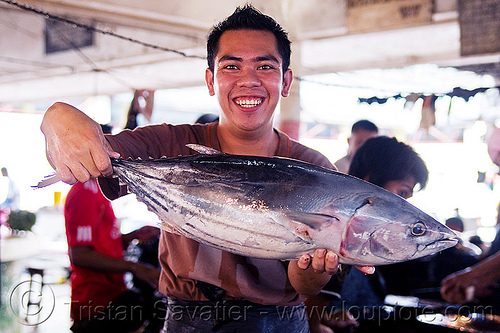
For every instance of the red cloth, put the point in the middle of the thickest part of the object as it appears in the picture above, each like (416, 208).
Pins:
(90, 221)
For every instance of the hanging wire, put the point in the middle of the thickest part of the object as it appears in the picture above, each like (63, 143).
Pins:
(89, 61)
(35, 63)
(101, 31)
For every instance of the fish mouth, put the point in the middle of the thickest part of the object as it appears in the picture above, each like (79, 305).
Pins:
(435, 246)
(452, 242)
(442, 243)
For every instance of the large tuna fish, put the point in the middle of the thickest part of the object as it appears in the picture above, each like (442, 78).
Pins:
(279, 208)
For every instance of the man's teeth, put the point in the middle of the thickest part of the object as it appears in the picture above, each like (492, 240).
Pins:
(248, 103)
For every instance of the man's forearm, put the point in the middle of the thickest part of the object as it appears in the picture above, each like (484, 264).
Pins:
(87, 257)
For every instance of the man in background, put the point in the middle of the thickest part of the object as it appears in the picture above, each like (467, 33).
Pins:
(361, 131)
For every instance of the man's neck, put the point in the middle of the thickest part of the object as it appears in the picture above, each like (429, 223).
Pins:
(258, 144)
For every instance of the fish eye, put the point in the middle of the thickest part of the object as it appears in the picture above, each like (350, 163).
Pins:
(418, 228)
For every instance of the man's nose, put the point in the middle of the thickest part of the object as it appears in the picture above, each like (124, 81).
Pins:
(249, 78)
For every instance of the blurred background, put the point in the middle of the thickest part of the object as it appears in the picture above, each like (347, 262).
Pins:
(424, 71)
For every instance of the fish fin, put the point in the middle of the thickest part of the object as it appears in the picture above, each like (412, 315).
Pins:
(203, 149)
(168, 226)
(315, 221)
(48, 180)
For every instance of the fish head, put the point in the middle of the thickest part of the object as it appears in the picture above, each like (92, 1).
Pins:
(387, 229)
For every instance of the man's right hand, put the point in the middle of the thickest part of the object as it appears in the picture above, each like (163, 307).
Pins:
(75, 145)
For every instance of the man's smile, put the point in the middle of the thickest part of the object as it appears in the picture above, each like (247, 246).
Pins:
(248, 102)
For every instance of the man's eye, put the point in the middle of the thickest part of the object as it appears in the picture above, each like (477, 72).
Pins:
(405, 194)
(266, 67)
(230, 67)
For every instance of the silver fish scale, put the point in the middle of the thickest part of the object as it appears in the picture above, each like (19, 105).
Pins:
(200, 197)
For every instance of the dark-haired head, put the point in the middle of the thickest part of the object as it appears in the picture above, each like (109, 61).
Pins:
(247, 17)
(383, 159)
(365, 125)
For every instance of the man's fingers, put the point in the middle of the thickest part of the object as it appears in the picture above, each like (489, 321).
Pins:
(94, 164)
(318, 261)
(325, 261)
(101, 163)
(78, 172)
(322, 261)
(304, 261)
(66, 175)
(331, 263)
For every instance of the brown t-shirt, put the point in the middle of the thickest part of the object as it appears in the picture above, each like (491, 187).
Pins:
(185, 261)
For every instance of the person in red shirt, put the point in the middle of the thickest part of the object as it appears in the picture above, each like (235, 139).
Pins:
(100, 300)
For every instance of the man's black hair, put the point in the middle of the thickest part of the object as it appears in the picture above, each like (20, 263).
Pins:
(364, 125)
(247, 17)
(383, 159)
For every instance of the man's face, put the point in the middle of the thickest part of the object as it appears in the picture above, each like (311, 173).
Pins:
(403, 188)
(358, 138)
(248, 79)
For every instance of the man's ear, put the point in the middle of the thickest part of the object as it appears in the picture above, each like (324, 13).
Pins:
(287, 83)
(209, 79)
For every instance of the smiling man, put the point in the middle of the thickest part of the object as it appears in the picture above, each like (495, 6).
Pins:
(248, 79)
(248, 59)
